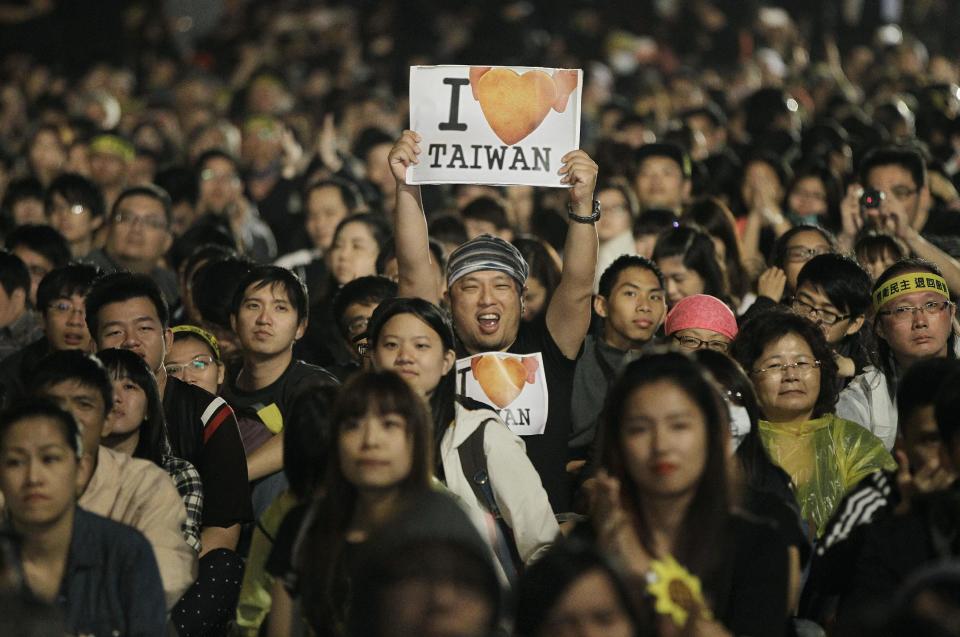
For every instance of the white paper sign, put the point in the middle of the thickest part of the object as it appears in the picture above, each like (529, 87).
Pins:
(493, 125)
(515, 385)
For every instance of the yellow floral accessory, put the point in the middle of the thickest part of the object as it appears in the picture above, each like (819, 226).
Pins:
(676, 591)
(908, 283)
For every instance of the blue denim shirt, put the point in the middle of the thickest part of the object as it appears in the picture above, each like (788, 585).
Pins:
(111, 585)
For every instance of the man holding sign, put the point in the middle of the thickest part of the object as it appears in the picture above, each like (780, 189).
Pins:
(525, 370)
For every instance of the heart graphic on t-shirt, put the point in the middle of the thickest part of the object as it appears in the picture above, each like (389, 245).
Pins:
(503, 378)
(514, 105)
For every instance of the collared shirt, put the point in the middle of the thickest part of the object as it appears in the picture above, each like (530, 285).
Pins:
(139, 493)
(26, 329)
(190, 487)
(111, 585)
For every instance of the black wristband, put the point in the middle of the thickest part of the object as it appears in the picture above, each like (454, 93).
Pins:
(591, 219)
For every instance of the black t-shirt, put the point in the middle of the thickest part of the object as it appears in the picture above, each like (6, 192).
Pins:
(203, 431)
(16, 370)
(263, 411)
(548, 451)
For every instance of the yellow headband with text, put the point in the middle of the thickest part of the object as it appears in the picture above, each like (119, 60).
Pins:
(908, 283)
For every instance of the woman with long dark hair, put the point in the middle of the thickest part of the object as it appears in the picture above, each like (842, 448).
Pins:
(415, 338)
(687, 257)
(136, 426)
(665, 492)
(382, 453)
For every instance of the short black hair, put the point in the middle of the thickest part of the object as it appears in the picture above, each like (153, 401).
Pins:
(37, 407)
(844, 282)
(947, 410)
(123, 286)
(448, 228)
(609, 277)
(215, 285)
(654, 221)
(921, 384)
(487, 209)
(180, 183)
(146, 190)
(389, 251)
(206, 231)
(73, 365)
(76, 189)
(262, 276)
(907, 157)
(873, 244)
(365, 289)
(66, 281)
(43, 240)
(214, 153)
(668, 150)
(308, 435)
(14, 274)
(771, 325)
(368, 139)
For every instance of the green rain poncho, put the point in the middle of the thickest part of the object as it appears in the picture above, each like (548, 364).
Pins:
(825, 458)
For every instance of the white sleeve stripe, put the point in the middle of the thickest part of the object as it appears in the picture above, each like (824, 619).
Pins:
(211, 409)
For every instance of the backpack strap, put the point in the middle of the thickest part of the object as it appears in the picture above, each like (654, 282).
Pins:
(473, 459)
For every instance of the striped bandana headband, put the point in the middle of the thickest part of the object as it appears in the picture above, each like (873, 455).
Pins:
(487, 252)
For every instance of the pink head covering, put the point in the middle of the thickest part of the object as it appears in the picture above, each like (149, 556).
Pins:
(702, 312)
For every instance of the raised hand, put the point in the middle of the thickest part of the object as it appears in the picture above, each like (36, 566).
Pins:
(403, 155)
(580, 172)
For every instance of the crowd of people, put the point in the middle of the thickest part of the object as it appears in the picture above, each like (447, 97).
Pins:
(254, 383)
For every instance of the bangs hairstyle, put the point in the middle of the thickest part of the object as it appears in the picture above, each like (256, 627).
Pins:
(43, 408)
(320, 545)
(772, 325)
(905, 157)
(122, 364)
(348, 191)
(262, 276)
(874, 245)
(368, 290)
(426, 311)
(75, 279)
(75, 189)
(707, 515)
(124, 286)
(842, 280)
(695, 248)
(152, 191)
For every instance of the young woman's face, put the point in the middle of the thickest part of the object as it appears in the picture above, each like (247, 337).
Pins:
(129, 408)
(376, 450)
(589, 606)
(787, 379)
(39, 472)
(802, 247)
(411, 348)
(681, 281)
(192, 362)
(534, 299)
(664, 440)
(325, 209)
(353, 254)
(616, 217)
(808, 197)
(876, 266)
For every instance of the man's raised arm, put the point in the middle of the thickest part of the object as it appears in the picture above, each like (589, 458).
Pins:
(568, 315)
(414, 264)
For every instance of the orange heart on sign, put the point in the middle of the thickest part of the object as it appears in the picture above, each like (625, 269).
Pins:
(502, 378)
(515, 105)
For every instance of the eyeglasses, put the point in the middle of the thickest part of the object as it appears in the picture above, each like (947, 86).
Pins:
(800, 254)
(907, 312)
(779, 369)
(357, 326)
(127, 218)
(817, 314)
(74, 208)
(692, 342)
(208, 174)
(199, 363)
(66, 307)
(360, 341)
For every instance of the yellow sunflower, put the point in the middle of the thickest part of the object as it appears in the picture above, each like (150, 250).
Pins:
(676, 591)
